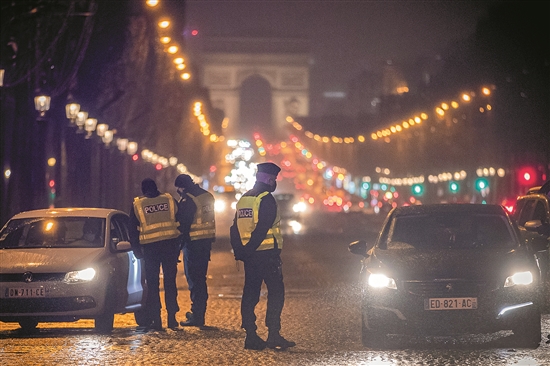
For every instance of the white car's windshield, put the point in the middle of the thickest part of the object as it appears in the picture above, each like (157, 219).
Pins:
(443, 230)
(57, 232)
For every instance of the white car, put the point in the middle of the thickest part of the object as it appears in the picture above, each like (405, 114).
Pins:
(66, 264)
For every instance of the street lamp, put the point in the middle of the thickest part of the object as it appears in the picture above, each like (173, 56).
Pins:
(108, 137)
(80, 120)
(42, 104)
(132, 148)
(71, 110)
(90, 126)
(122, 144)
(101, 128)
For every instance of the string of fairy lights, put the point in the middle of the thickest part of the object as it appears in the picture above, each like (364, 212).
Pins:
(397, 127)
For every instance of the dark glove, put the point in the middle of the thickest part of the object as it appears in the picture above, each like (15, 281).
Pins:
(138, 253)
(241, 254)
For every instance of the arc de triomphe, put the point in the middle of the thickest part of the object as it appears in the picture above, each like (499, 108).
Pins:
(284, 63)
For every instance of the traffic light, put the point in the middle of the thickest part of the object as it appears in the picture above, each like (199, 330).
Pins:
(51, 197)
(481, 184)
(454, 187)
(527, 176)
(417, 189)
(365, 186)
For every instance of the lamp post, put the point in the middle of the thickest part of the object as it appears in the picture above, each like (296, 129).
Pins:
(42, 105)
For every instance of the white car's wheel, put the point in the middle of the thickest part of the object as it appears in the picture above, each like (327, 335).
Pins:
(28, 324)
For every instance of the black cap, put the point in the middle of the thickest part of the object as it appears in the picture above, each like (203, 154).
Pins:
(184, 181)
(268, 168)
(148, 186)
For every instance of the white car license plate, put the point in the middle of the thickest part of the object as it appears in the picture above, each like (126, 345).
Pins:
(450, 303)
(26, 292)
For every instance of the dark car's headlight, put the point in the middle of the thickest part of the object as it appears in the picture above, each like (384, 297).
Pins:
(87, 274)
(378, 280)
(519, 278)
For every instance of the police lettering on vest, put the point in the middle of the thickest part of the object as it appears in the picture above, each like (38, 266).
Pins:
(156, 208)
(244, 212)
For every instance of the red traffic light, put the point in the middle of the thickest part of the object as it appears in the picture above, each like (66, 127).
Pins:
(527, 176)
(51, 183)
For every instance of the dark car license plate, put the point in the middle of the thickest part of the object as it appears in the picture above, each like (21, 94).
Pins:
(450, 303)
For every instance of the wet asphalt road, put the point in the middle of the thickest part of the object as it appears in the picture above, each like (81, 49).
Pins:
(321, 314)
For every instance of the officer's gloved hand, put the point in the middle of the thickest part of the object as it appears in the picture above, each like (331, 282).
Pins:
(138, 253)
(240, 254)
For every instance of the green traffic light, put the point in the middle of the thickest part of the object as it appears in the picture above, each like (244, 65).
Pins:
(418, 189)
(481, 184)
(454, 187)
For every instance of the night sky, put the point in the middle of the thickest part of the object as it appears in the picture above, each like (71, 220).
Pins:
(347, 36)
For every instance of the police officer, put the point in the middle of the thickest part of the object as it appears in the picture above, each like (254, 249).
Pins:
(257, 241)
(154, 236)
(197, 222)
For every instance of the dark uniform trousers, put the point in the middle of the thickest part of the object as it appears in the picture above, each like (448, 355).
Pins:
(263, 267)
(196, 256)
(165, 253)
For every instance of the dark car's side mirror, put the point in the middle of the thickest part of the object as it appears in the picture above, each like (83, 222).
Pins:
(360, 247)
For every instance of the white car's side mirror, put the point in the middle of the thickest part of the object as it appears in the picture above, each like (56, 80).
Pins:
(123, 245)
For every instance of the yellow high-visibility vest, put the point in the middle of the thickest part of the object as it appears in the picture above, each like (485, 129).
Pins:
(247, 218)
(157, 218)
(204, 223)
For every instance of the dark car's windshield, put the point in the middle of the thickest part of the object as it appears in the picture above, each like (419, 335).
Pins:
(58, 232)
(449, 230)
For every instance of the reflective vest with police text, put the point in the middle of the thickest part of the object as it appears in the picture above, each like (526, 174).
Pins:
(157, 218)
(247, 218)
(204, 223)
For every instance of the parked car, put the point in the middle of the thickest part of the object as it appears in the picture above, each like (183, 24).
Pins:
(532, 212)
(66, 264)
(449, 269)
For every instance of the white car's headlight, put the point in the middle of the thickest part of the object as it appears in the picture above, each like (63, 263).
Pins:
(87, 274)
(299, 207)
(377, 280)
(520, 278)
(220, 206)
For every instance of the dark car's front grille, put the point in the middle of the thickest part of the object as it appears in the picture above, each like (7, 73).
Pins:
(34, 277)
(450, 288)
(46, 305)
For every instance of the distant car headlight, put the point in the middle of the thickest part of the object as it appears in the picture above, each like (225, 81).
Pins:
(520, 278)
(377, 280)
(299, 207)
(87, 274)
(220, 206)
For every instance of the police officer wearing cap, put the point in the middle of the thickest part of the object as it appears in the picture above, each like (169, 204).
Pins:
(154, 236)
(197, 222)
(257, 241)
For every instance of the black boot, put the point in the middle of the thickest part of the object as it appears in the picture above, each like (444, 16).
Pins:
(253, 341)
(172, 322)
(156, 324)
(192, 321)
(276, 341)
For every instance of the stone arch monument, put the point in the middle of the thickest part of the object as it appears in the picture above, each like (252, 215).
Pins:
(284, 63)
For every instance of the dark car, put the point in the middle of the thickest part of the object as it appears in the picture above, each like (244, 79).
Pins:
(532, 213)
(449, 269)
